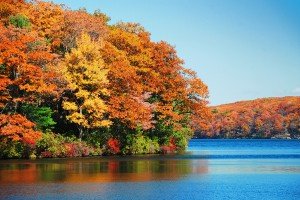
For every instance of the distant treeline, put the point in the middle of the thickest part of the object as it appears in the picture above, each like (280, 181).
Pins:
(260, 118)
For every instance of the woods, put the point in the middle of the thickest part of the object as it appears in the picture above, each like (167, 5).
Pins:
(260, 118)
(73, 85)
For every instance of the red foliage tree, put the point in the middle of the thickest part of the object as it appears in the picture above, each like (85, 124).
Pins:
(113, 145)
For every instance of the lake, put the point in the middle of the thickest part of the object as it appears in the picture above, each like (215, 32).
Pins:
(210, 169)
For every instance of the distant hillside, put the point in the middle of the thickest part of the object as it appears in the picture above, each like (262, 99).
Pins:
(277, 117)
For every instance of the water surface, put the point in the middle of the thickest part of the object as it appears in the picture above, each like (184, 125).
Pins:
(211, 169)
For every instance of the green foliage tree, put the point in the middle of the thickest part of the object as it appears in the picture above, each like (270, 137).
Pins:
(41, 116)
(19, 21)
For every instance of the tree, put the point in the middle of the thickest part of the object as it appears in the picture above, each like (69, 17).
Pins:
(79, 22)
(124, 57)
(18, 128)
(87, 78)
(23, 60)
(41, 116)
(47, 20)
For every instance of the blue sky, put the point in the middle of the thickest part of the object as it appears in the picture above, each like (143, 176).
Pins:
(242, 49)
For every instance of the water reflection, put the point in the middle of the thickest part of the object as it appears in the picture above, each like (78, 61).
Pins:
(212, 169)
(100, 169)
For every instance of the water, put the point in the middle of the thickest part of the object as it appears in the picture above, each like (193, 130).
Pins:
(211, 169)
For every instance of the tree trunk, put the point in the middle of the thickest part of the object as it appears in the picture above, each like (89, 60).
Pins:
(80, 128)
(80, 133)
(16, 106)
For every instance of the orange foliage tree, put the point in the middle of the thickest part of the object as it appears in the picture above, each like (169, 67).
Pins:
(149, 86)
(18, 128)
(23, 60)
(128, 101)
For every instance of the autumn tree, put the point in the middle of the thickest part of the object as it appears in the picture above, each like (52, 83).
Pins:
(17, 128)
(149, 88)
(23, 59)
(180, 96)
(47, 20)
(87, 78)
(126, 60)
(79, 22)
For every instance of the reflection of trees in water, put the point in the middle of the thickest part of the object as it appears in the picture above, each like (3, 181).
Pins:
(100, 170)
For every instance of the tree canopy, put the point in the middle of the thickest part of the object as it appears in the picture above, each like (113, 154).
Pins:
(68, 72)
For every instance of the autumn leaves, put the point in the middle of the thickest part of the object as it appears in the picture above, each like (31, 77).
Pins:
(260, 118)
(111, 79)
(86, 74)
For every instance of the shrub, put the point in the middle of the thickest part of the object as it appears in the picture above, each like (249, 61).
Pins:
(41, 116)
(140, 144)
(11, 149)
(55, 145)
(77, 149)
(153, 146)
(177, 142)
(113, 146)
(96, 151)
(19, 21)
(51, 145)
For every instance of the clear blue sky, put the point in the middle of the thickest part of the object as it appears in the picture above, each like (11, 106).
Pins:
(242, 49)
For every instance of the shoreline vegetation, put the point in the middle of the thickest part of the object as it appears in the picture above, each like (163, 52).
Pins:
(73, 85)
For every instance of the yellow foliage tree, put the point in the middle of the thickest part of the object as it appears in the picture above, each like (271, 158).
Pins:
(86, 74)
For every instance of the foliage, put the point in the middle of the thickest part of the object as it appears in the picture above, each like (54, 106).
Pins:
(23, 79)
(17, 136)
(70, 72)
(79, 22)
(261, 118)
(18, 128)
(177, 142)
(19, 21)
(47, 19)
(41, 116)
(113, 145)
(51, 145)
(98, 137)
(11, 149)
(104, 87)
(87, 80)
(55, 145)
(142, 145)
(180, 139)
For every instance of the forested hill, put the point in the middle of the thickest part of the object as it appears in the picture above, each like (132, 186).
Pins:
(277, 117)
